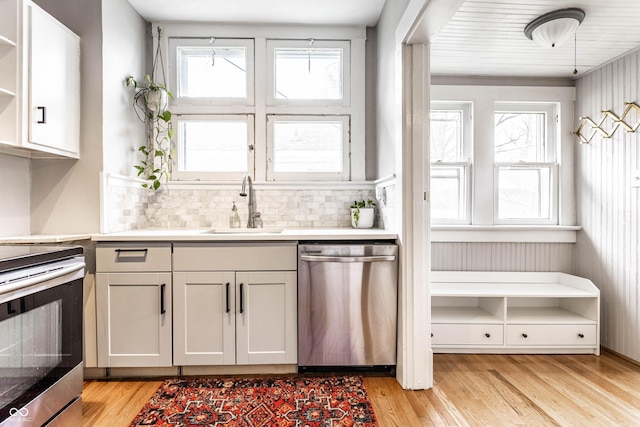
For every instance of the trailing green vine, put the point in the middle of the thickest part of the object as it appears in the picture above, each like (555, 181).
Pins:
(150, 104)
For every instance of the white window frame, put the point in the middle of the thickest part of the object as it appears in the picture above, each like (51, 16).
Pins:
(343, 45)
(208, 175)
(272, 175)
(467, 149)
(550, 160)
(176, 42)
(259, 35)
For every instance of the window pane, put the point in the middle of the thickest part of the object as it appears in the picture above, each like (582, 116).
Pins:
(447, 193)
(212, 72)
(519, 137)
(308, 146)
(446, 136)
(213, 146)
(308, 74)
(524, 193)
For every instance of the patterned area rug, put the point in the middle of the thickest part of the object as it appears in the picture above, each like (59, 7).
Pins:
(258, 402)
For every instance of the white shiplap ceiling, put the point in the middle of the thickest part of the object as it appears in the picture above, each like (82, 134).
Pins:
(486, 38)
(483, 38)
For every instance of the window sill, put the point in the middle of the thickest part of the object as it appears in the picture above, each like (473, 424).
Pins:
(505, 233)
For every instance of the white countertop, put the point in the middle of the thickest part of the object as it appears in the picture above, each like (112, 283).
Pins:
(43, 238)
(226, 235)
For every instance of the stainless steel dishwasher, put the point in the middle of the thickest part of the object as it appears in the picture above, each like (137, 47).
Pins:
(347, 304)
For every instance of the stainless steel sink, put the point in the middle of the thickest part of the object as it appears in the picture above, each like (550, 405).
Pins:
(243, 231)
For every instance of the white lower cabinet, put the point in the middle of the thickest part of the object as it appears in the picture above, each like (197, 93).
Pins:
(134, 319)
(133, 305)
(514, 312)
(240, 312)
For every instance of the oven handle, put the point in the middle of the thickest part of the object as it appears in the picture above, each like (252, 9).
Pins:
(67, 269)
(327, 258)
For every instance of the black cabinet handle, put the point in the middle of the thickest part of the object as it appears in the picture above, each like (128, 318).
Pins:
(43, 119)
(162, 288)
(431, 334)
(241, 298)
(10, 310)
(525, 335)
(581, 335)
(487, 335)
(145, 250)
(228, 308)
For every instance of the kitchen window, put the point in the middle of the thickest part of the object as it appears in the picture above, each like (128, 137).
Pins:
(280, 109)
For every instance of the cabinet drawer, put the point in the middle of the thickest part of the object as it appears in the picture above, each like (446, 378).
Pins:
(235, 256)
(555, 335)
(466, 334)
(113, 257)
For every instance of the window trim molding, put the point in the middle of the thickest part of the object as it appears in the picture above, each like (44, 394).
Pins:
(484, 99)
(356, 35)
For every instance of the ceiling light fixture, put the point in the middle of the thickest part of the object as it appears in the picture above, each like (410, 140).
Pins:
(553, 28)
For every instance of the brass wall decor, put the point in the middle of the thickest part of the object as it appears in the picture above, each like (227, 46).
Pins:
(598, 127)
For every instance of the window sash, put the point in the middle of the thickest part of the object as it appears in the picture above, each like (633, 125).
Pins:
(179, 100)
(552, 217)
(179, 174)
(273, 175)
(273, 45)
(463, 187)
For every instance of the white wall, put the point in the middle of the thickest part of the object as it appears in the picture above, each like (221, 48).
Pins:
(386, 102)
(14, 196)
(65, 193)
(608, 208)
(125, 36)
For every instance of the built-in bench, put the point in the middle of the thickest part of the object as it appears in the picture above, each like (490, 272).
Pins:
(514, 312)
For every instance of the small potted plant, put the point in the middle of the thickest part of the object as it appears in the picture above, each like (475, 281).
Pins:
(362, 213)
(150, 104)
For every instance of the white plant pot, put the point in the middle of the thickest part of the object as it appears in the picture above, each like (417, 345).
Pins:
(365, 218)
(157, 100)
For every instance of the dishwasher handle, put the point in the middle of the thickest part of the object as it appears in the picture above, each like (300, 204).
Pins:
(330, 258)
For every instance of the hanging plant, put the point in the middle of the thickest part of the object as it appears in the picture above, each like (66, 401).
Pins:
(150, 103)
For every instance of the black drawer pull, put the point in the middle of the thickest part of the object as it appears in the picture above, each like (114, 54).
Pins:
(431, 334)
(162, 288)
(241, 298)
(487, 335)
(228, 308)
(525, 335)
(43, 119)
(132, 250)
(581, 335)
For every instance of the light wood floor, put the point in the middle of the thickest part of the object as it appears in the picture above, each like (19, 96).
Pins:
(469, 390)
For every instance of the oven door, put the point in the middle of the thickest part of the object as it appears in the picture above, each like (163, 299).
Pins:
(40, 347)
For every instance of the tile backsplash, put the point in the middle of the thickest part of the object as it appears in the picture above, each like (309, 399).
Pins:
(129, 207)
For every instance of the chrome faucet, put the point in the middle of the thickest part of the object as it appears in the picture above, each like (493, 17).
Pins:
(253, 220)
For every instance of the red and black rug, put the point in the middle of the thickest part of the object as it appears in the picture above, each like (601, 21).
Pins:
(258, 402)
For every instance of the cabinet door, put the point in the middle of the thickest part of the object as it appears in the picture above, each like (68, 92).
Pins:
(266, 321)
(204, 318)
(54, 84)
(134, 319)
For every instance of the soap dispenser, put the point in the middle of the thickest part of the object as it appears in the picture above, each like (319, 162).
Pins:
(234, 218)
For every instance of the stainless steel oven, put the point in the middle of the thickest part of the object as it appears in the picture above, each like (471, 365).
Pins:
(40, 335)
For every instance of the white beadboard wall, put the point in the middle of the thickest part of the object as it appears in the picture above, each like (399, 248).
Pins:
(503, 257)
(607, 249)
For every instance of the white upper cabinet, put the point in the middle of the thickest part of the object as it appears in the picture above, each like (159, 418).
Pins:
(54, 85)
(39, 83)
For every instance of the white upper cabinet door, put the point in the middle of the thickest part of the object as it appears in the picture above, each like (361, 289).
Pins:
(54, 85)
